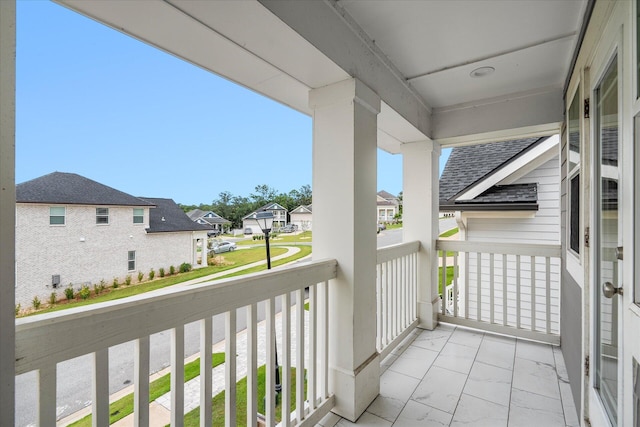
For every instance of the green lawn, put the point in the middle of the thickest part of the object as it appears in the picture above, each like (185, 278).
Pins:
(192, 419)
(394, 226)
(304, 251)
(448, 279)
(450, 232)
(235, 259)
(304, 237)
(124, 406)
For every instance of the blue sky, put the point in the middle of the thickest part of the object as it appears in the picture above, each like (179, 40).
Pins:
(92, 101)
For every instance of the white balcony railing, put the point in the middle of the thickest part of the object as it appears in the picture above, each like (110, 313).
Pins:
(502, 287)
(45, 340)
(396, 293)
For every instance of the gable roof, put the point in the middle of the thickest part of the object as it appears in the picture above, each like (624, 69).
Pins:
(273, 206)
(168, 217)
(386, 195)
(470, 165)
(73, 189)
(200, 216)
(302, 209)
(195, 214)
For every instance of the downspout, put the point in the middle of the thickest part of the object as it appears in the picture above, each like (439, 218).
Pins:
(462, 224)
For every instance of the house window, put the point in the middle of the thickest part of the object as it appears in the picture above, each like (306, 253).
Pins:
(131, 261)
(57, 215)
(138, 215)
(102, 215)
(573, 173)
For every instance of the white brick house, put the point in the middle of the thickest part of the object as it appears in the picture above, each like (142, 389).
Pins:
(72, 230)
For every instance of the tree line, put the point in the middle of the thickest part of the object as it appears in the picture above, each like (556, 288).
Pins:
(234, 208)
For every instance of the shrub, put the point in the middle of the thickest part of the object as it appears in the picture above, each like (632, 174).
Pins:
(18, 308)
(185, 267)
(85, 292)
(161, 271)
(127, 280)
(69, 292)
(53, 298)
(36, 302)
(152, 274)
(115, 283)
(140, 276)
(172, 270)
(103, 285)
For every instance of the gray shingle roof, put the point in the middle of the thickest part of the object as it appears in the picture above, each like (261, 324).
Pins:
(167, 217)
(468, 166)
(72, 189)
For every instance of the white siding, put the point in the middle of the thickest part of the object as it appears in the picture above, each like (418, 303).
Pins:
(543, 228)
(302, 220)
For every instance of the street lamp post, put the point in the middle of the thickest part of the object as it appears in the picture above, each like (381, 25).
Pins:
(265, 222)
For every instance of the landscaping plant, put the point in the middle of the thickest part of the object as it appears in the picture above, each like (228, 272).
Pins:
(69, 293)
(36, 303)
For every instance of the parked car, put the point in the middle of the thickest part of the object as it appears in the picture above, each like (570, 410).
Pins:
(224, 247)
(213, 233)
(289, 228)
(248, 230)
(381, 227)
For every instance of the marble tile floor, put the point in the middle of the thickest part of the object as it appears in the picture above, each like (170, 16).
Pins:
(454, 376)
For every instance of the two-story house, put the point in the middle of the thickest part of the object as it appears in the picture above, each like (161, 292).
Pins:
(386, 206)
(211, 219)
(302, 216)
(73, 230)
(279, 217)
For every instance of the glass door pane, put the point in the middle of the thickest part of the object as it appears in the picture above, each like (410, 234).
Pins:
(607, 263)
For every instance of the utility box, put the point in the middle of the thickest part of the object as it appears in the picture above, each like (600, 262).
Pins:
(55, 280)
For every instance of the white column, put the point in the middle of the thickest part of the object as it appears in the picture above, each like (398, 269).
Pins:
(7, 209)
(420, 163)
(344, 228)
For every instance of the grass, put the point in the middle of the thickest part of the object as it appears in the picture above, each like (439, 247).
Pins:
(124, 406)
(304, 251)
(235, 259)
(448, 279)
(394, 226)
(192, 419)
(449, 233)
(304, 237)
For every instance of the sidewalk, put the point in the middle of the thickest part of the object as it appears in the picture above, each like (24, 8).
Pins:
(160, 409)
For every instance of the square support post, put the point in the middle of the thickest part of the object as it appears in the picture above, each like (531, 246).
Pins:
(7, 209)
(420, 211)
(344, 228)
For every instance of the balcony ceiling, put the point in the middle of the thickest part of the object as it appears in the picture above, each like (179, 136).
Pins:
(417, 55)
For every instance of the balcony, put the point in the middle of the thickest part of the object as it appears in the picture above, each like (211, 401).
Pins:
(449, 375)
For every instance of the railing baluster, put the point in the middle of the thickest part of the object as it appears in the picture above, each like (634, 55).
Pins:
(455, 284)
(100, 403)
(389, 304)
(325, 338)
(300, 355)
(491, 288)
(533, 293)
(206, 385)
(252, 366)
(518, 275)
(548, 293)
(505, 320)
(47, 388)
(230, 369)
(467, 273)
(311, 370)
(177, 376)
(141, 386)
(479, 286)
(270, 365)
(286, 359)
(443, 281)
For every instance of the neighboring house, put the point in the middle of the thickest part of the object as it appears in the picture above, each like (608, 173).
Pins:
(72, 230)
(505, 192)
(210, 218)
(385, 209)
(279, 217)
(302, 216)
(389, 197)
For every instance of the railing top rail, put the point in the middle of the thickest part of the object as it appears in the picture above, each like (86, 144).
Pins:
(55, 337)
(526, 249)
(388, 253)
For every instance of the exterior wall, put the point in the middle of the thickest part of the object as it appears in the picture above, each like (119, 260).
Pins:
(304, 221)
(386, 213)
(543, 227)
(91, 252)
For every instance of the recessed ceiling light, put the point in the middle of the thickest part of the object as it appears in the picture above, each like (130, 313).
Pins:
(482, 71)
